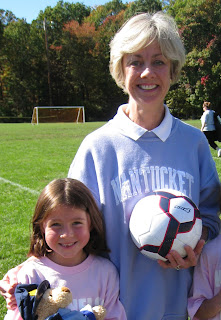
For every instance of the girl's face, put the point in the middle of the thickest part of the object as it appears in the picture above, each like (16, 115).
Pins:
(67, 232)
(147, 76)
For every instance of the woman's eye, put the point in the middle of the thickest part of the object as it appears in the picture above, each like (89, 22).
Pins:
(135, 63)
(158, 62)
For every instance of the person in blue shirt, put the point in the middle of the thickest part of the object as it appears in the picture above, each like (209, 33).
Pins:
(144, 148)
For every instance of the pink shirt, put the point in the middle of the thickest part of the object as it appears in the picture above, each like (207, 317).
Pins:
(207, 277)
(95, 281)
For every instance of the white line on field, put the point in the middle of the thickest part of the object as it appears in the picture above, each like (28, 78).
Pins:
(19, 186)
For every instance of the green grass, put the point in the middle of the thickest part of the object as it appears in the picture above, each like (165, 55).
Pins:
(31, 156)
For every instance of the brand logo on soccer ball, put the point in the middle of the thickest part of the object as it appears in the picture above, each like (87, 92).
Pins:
(182, 208)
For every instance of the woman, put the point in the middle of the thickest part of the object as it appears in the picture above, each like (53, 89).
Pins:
(145, 148)
(208, 126)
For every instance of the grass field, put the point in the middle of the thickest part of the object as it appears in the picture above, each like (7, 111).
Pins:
(30, 157)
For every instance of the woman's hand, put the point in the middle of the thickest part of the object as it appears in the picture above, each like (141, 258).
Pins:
(175, 261)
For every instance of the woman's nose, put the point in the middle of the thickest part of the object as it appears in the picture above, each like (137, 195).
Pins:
(147, 71)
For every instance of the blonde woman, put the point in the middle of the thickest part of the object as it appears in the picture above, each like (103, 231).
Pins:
(145, 148)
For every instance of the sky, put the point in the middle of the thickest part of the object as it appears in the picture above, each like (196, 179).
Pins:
(29, 9)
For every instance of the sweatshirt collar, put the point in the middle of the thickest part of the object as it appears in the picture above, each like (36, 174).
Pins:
(135, 132)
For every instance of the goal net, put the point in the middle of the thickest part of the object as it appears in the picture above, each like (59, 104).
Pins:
(58, 114)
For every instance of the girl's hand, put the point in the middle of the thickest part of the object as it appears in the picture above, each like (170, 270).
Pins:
(7, 291)
(175, 260)
(8, 285)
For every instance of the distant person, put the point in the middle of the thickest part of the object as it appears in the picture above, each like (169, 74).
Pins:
(205, 300)
(67, 237)
(208, 126)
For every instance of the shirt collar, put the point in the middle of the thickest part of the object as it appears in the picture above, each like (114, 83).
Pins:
(164, 129)
(134, 131)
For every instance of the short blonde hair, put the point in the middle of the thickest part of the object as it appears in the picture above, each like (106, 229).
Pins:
(137, 33)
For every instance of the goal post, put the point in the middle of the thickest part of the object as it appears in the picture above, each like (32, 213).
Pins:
(58, 114)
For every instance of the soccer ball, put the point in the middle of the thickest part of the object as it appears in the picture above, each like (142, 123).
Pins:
(165, 220)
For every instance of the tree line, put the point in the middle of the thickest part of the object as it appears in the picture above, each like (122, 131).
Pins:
(62, 58)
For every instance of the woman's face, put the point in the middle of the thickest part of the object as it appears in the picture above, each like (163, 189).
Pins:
(147, 76)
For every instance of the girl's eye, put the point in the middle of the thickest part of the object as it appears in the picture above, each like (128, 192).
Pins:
(75, 223)
(56, 224)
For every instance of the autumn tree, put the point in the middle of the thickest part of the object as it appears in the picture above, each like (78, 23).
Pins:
(78, 40)
(143, 6)
(100, 13)
(200, 27)
(15, 67)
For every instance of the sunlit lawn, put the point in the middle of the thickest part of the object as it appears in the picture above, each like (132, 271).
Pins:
(31, 156)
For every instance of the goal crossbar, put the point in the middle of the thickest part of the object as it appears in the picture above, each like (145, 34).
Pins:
(45, 114)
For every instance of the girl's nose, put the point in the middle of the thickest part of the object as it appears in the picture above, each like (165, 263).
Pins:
(66, 232)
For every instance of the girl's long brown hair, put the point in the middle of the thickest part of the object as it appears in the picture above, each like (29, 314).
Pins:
(73, 193)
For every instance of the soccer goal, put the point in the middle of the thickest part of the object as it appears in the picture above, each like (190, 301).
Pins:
(58, 114)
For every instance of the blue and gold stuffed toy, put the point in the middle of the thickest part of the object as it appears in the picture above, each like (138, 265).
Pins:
(43, 303)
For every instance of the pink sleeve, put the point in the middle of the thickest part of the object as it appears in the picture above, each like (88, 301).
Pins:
(13, 315)
(115, 309)
(8, 282)
(201, 288)
(10, 278)
(7, 287)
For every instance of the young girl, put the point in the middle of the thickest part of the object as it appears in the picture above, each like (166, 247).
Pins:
(67, 237)
(205, 300)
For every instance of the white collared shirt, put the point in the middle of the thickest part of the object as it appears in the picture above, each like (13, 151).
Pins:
(135, 131)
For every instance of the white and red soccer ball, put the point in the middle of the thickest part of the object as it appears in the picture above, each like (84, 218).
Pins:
(165, 220)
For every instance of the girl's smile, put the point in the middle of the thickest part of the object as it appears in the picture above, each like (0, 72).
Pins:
(67, 232)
